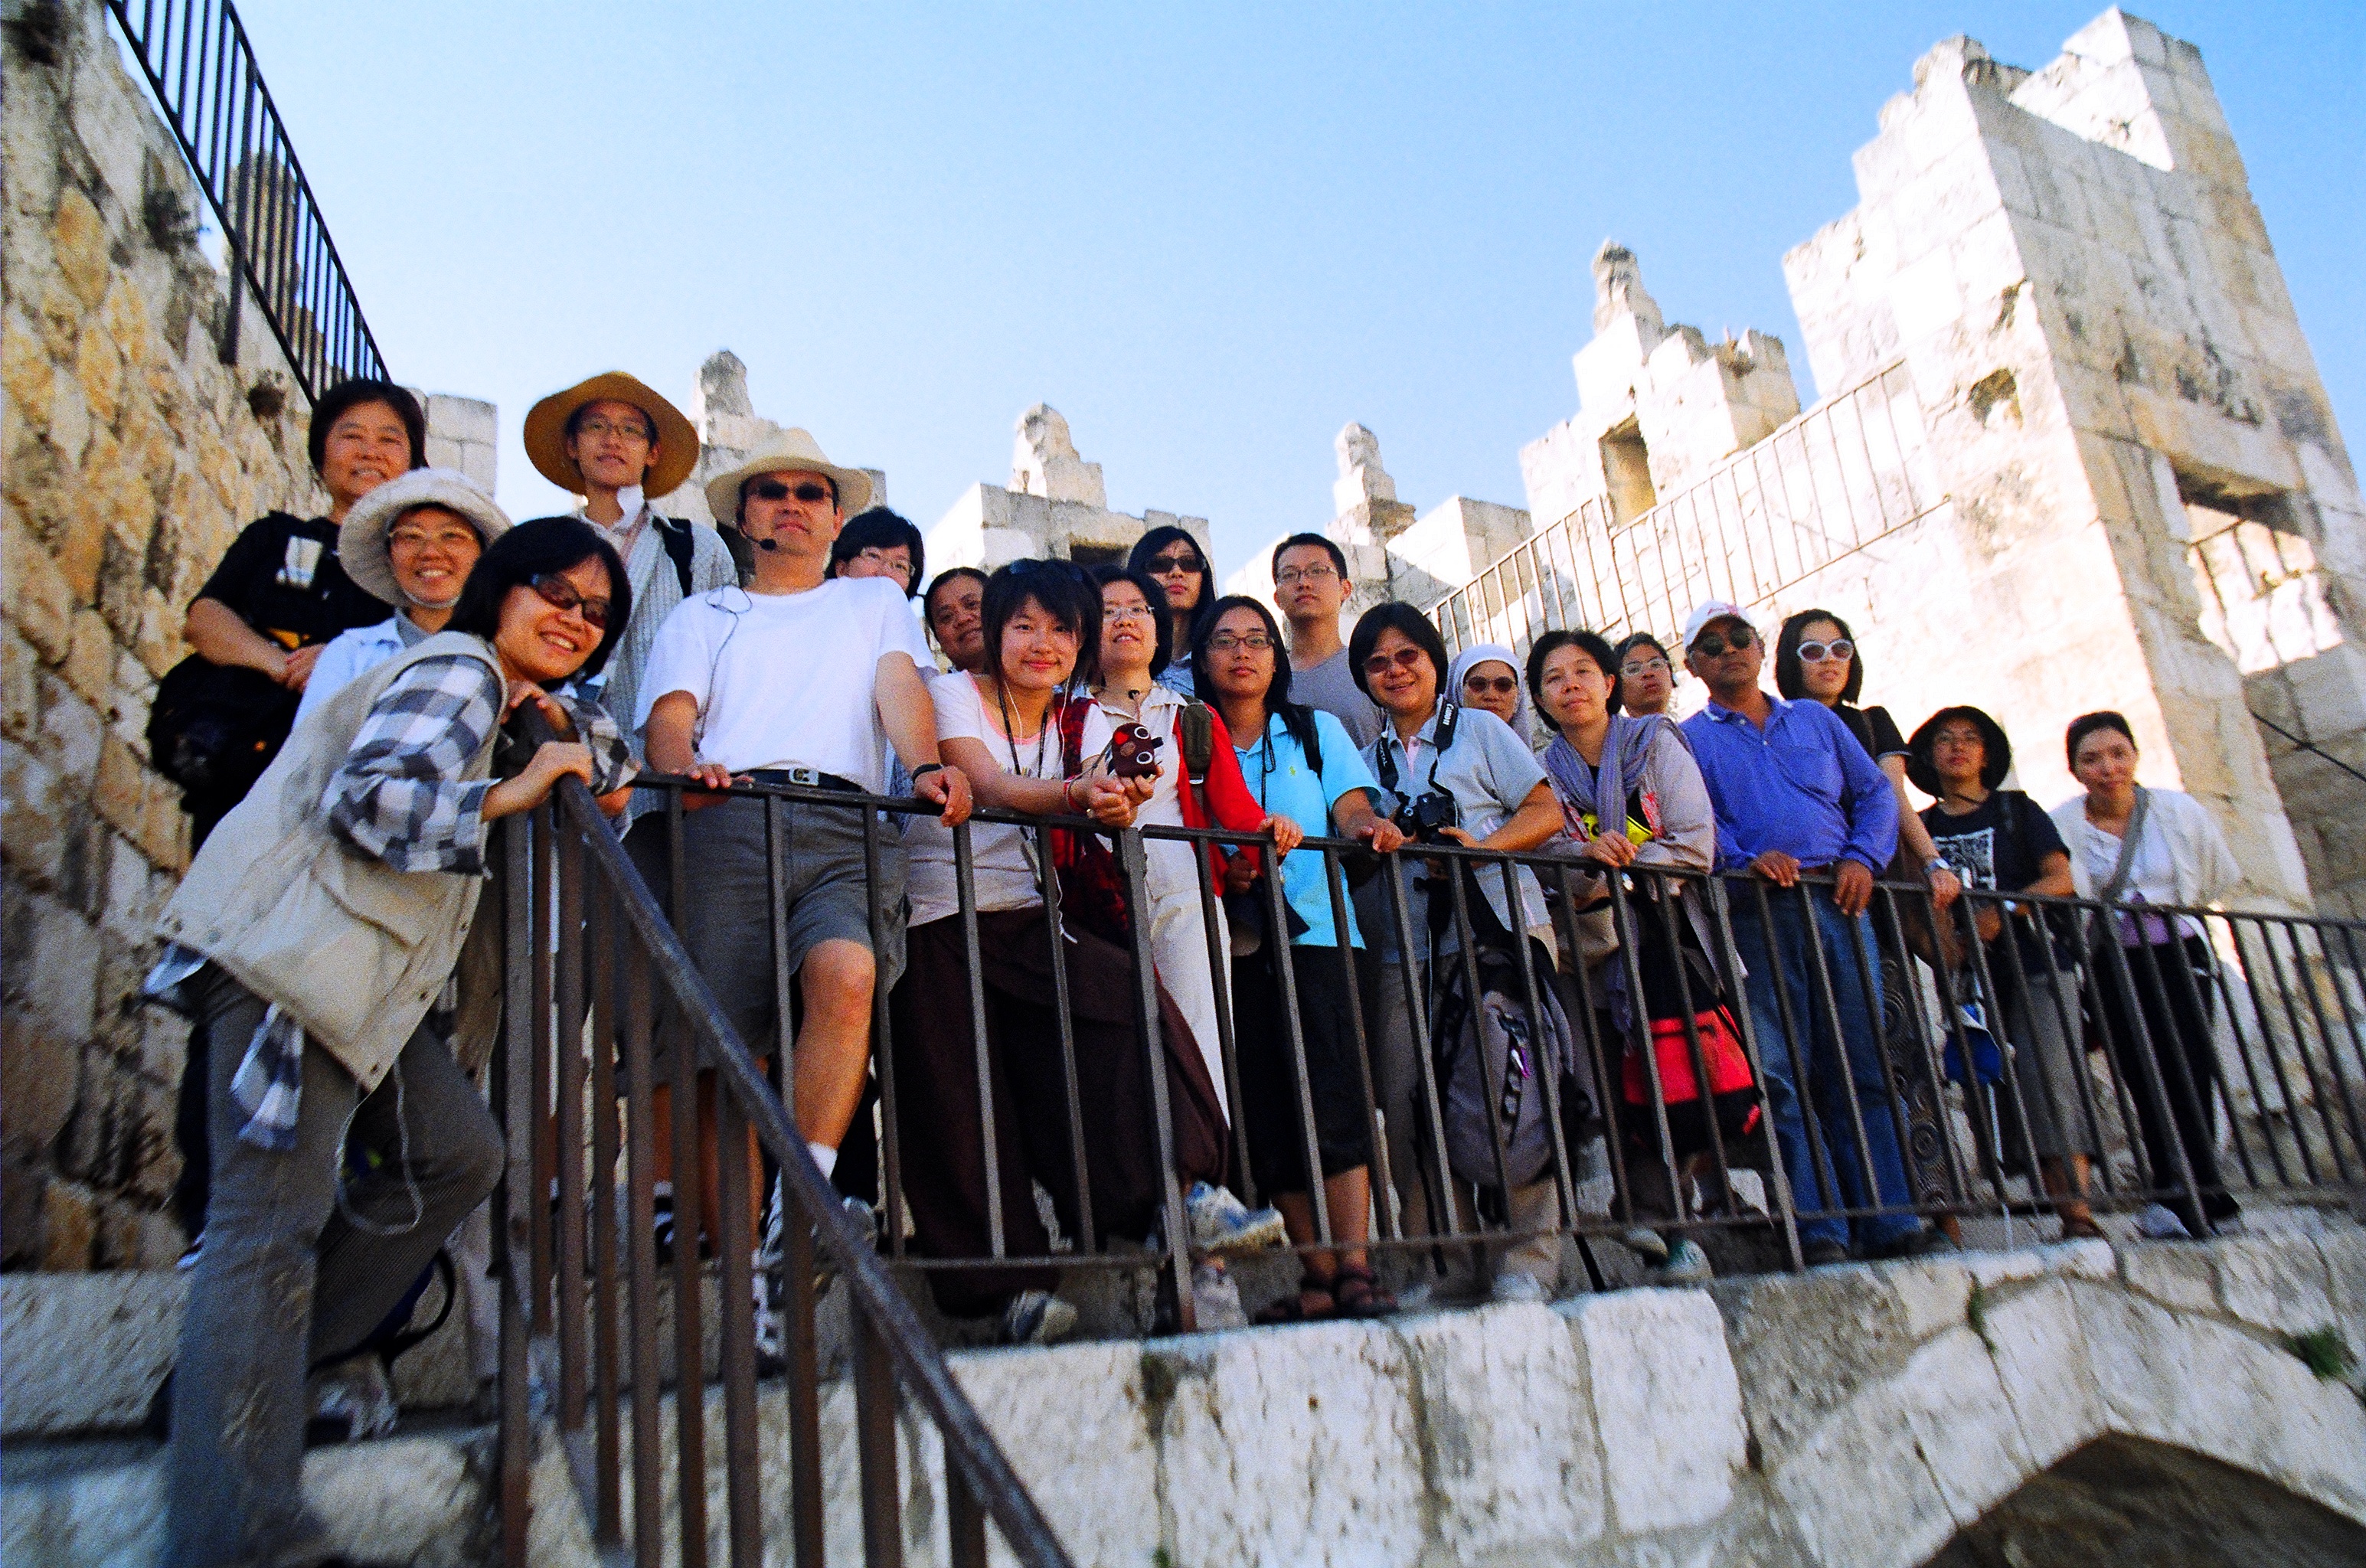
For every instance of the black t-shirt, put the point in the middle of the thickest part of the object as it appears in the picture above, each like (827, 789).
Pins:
(282, 575)
(2000, 845)
(1875, 730)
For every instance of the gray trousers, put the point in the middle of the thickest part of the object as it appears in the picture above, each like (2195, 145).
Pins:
(286, 1278)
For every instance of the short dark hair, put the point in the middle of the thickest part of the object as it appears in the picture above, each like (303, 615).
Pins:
(347, 395)
(1296, 719)
(879, 529)
(1162, 652)
(1787, 678)
(1996, 749)
(1050, 584)
(1593, 645)
(2086, 724)
(1309, 542)
(532, 548)
(1409, 623)
(951, 574)
(1634, 640)
(1157, 539)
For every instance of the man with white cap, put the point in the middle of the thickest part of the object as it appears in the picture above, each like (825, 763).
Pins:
(1793, 792)
(797, 679)
(412, 542)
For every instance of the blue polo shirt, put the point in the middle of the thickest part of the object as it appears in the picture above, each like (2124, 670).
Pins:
(1286, 784)
(1802, 785)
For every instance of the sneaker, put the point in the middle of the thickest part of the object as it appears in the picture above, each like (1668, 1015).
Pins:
(1823, 1253)
(1646, 1244)
(1517, 1287)
(1221, 1223)
(772, 1323)
(1686, 1265)
(1216, 1297)
(2159, 1222)
(1036, 1317)
(352, 1402)
(663, 1227)
(1924, 1243)
(867, 1222)
(189, 1254)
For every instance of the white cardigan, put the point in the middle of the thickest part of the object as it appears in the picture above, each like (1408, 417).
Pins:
(2206, 871)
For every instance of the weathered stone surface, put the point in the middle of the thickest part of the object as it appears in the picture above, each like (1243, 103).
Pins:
(1667, 1402)
(1074, 1423)
(85, 1354)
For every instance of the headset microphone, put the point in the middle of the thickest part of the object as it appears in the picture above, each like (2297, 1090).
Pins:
(768, 544)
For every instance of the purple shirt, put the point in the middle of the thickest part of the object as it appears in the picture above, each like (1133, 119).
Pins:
(1802, 785)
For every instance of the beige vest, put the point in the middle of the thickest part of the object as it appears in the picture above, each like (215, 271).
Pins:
(355, 950)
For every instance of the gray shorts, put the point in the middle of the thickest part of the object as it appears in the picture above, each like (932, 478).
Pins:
(728, 925)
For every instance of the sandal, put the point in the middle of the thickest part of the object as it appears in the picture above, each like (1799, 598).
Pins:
(1359, 1294)
(1312, 1303)
(2082, 1227)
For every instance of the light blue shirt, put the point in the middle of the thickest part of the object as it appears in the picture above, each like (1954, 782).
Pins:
(1489, 771)
(1287, 785)
(352, 654)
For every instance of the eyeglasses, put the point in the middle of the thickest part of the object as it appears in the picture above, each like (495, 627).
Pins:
(1479, 685)
(1642, 666)
(1405, 659)
(597, 428)
(420, 539)
(1226, 642)
(1708, 644)
(1291, 576)
(873, 554)
(1167, 566)
(1126, 613)
(560, 595)
(774, 490)
(1817, 652)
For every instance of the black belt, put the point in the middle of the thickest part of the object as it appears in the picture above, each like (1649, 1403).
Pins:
(810, 778)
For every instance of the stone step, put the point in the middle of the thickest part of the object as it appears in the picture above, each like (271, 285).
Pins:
(419, 1499)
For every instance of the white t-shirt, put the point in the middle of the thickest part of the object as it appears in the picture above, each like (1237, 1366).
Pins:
(1004, 875)
(786, 680)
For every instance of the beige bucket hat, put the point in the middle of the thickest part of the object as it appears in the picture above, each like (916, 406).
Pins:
(792, 451)
(361, 537)
(545, 433)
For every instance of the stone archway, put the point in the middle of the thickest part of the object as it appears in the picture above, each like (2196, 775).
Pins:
(2126, 1500)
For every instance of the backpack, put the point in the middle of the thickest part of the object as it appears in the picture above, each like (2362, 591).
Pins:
(1490, 1061)
(680, 546)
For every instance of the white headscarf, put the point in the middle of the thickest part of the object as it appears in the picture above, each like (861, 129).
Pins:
(1523, 721)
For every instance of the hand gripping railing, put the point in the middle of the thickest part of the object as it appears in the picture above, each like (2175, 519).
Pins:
(590, 962)
(195, 56)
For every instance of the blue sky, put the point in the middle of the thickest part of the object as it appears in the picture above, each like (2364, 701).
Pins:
(1209, 235)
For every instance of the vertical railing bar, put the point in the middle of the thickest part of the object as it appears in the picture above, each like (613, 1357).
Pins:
(573, 1351)
(2341, 1167)
(2221, 995)
(511, 1244)
(1564, 1174)
(875, 1430)
(1048, 885)
(883, 1053)
(2148, 1064)
(1821, 969)
(1335, 878)
(1629, 926)
(543, 1035)
(2065, 999)
(1466, 954)
(1781, 1198)
(1611, 1087)
(640, 1177)
(965, 895)
(1135, 865)
(1436, 1178)
(689, 1312)
(2300, 1049)
(735, 1284)
(1999, 1018)
(602, 938)
(1702, 1087)
(1285, 979)
(1219, 973)
(2268, 1040)
(1932, 1068)
(1801, 1045)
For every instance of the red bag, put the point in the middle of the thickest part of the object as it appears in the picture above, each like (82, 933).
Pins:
(1733, 1091)
(1092, 884)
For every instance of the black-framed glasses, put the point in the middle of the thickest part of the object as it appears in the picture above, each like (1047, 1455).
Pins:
(774, 490)
(1817, 652)
(1708, 644)
(1164, 566)
(1226, 642)
(561, 595)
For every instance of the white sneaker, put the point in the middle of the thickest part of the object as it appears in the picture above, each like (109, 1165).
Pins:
(772, 1323)
(1216, 1297)
(190, 1254)
(356, 1392)
(1686, 1265)
(1037, 1317)
(2159, 1222)
(1516, 1287)
(1221, 1223)
(1646, 1244)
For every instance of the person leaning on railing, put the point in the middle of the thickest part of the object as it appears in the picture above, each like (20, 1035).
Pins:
(1631, 795)
(1482, 788)
(2000, 840)
(1301, 764)
(1486, 677)
(2133, 845)
(1004, 728)
(312, 933)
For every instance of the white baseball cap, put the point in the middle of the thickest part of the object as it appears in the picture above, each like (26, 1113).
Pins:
(1714, 610)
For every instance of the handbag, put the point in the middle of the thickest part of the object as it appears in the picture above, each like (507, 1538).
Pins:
(213, 728)
(1733, 1089)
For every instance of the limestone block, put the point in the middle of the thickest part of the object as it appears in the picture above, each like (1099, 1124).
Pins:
(1923, 297)
(2278, 1283)
(1072, 1421)
(1293, 1447)
(2345, 1262)
(78, 235)
(463, 419)
(84, 1353)
(1667, 1404)
(1857, 1490)
(1508, 1441)
(1801, 1345)
(2041, 1364)
(1933, 1294)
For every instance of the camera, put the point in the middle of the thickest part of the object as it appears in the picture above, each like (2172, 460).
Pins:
(1425, 816)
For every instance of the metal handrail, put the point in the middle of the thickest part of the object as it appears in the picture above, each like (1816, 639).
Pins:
(201, 68)
(891, 1340)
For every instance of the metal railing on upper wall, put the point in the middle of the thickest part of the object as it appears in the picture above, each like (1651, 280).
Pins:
(1833, 480)
(195, 56)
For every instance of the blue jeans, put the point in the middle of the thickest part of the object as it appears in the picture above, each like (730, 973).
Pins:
(1854, 969)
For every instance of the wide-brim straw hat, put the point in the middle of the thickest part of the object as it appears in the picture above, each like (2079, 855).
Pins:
(1995, 752)
(792, 451)
(545, 433)
(362, 536)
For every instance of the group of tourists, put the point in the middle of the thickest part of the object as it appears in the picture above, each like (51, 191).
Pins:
(1391, 1030)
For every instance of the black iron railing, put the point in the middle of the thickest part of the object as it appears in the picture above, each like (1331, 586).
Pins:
(195, 56)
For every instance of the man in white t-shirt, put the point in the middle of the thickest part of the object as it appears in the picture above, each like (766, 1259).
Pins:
(795, 680)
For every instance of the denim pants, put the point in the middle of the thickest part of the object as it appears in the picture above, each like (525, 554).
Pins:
(1854, 969)
(286, 1279)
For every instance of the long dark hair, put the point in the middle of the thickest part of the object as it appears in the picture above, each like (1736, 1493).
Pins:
(1157, 539)
(1162, 652)
(1296, 718)
(544, 546)
(880, 529)
(1787, 678)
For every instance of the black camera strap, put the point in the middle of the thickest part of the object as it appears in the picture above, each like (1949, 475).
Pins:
(1449, 715)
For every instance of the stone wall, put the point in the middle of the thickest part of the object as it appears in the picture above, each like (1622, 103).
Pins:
(132, 457)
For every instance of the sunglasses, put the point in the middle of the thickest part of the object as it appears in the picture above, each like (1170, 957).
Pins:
(1708, 644)
(1164, 566)
(1479, 685)
(560, 595)
(774, 490)
(1817, 652)
(1405, 659)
